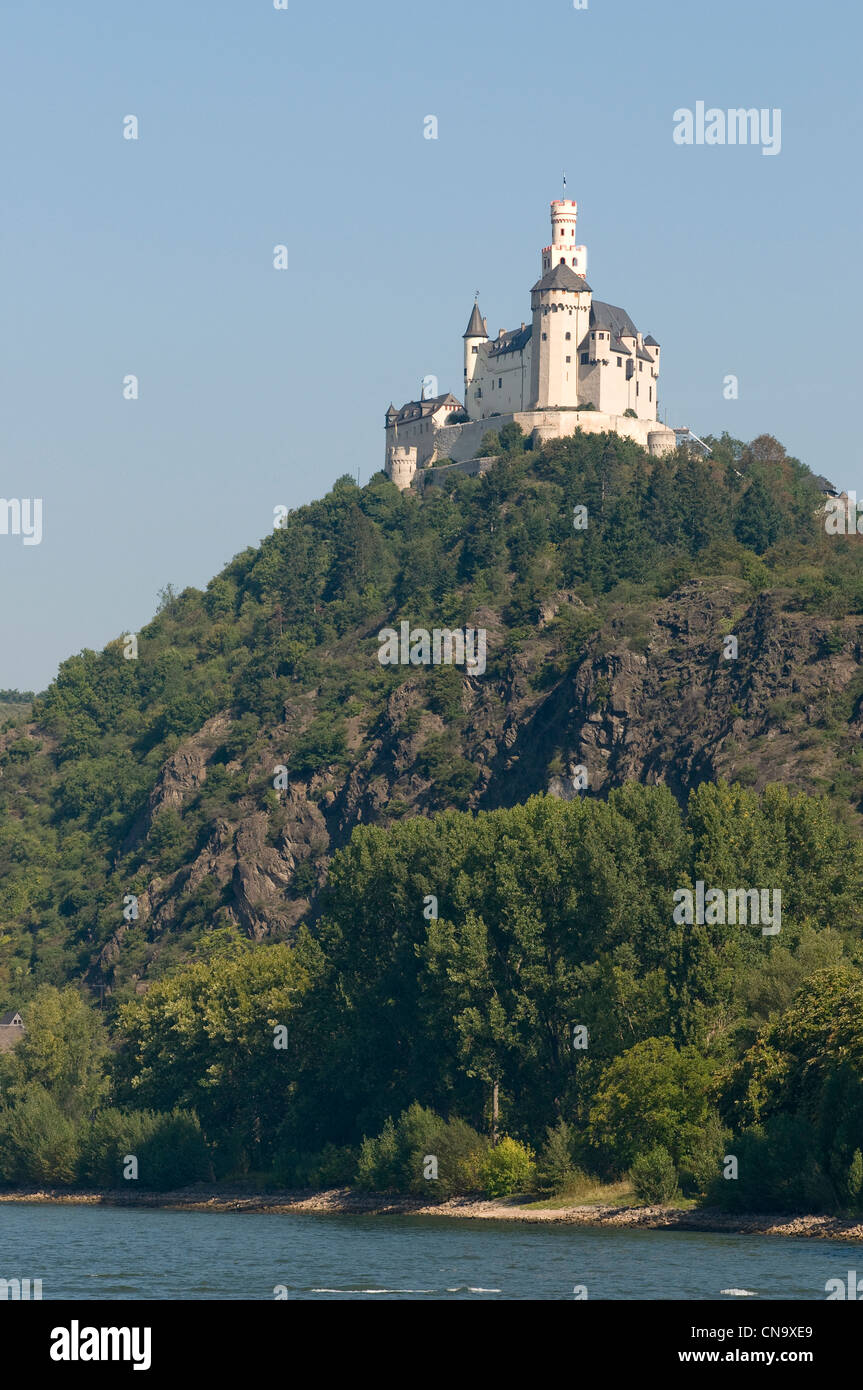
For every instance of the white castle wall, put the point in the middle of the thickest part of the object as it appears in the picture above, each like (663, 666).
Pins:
(461, 442)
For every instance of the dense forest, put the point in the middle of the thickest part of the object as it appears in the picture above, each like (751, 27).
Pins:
(275, 911)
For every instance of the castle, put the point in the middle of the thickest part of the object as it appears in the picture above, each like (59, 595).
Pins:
(579, 364)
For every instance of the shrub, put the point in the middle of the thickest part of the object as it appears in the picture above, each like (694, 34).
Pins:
(173, 1151)
(702, 1161)
(169, 1147)
(654, 1176)
(556, 1170)
(855, 1177)
(110, 1136)
(778, 1170)
(512, 438)
(330, 1167)
(507, 1168)
(396, 1159)
(377, 1166)
(38, 1143)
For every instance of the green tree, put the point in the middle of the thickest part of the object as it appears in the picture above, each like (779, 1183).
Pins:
(653, 1095)
(63, 1051)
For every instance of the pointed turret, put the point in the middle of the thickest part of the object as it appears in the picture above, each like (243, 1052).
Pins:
(476, 326)
(475, 334)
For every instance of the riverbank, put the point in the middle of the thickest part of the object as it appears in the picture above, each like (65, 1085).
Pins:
(344, 1201)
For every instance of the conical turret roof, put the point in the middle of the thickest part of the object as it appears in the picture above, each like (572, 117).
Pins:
(476, 327)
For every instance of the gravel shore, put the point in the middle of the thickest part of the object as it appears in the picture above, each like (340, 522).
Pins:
(342, 1201)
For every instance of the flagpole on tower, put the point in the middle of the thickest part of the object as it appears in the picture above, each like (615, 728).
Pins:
(564, 185)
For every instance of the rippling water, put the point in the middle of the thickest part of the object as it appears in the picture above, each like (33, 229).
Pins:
(116, 1253)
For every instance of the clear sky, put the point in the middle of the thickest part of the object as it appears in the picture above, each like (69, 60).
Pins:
(304, 127)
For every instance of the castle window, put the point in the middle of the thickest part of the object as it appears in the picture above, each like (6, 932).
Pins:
(620, 361)
(568, 336)
(544, 336)
(641, 366)
(636, 388)
(651, 393)
(500, 382)
(585, 358)
(569, 359)
(473, 349)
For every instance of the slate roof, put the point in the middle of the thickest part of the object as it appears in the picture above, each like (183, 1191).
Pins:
(650, 341)
(516, 341)
(561, 277)
(420, 410)
(475, 327)
(825, 485)
(604, 315)
(10, 1033)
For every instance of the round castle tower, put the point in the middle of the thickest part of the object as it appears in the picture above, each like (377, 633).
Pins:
(475, 334)
(560, 301)
(402, 464)
(563, 250)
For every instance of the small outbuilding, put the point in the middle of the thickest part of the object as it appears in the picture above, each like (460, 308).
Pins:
(11, 1029)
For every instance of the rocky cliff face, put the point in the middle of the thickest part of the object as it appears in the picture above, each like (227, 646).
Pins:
(655, 698)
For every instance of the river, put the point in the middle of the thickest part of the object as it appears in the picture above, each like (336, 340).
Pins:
(82, 1252)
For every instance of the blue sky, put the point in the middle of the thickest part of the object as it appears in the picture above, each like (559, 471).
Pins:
(304, 127)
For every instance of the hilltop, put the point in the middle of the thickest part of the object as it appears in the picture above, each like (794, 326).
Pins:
(154, 777)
